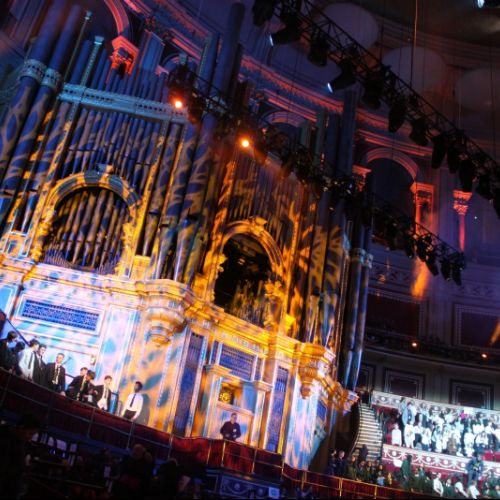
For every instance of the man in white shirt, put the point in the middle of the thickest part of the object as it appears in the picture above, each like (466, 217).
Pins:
(396, 436)
(28, 359)
(472, 491)
(437, 485)
(133, 405)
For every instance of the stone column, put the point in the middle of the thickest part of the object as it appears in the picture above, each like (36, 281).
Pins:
(423, 194)
(461, 205)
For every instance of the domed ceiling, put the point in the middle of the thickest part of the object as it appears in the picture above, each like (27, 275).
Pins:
(455, 19)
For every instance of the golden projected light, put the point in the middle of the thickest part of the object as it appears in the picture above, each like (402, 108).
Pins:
(421, 279)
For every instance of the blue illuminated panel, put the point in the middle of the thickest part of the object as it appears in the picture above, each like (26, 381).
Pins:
(61, 315)
(274, 427)
(238, 362)
(187, 384)
(321, 411)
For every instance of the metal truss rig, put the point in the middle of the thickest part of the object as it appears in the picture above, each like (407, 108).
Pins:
(387, 87)
(398, 230)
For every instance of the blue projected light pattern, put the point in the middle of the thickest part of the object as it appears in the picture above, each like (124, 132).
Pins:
(274, 426)
(62, 315)
(238, 362)
(321, 411)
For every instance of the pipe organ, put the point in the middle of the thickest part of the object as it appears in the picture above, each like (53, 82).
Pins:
(115, 205)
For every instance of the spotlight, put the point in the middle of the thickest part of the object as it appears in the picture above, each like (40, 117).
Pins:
(178, 104)
(245, 142)
(439, 150)
(414, 344)
(456, 275)
(319, 50)
(390, 235)
(262, 11)
(196, 109)
(466, 173)
(346, 78)
(483, 187)
(418, 132)
(409, 246)
(484, 355)
(446, 269)
(374, 87)
(422, 249)
(488, 3)
(397, 115)
(430, 262)
(290, 33)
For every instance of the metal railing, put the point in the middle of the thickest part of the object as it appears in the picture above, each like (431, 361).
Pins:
(66, 418)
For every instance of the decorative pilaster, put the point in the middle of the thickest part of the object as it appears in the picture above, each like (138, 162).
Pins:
(315, 363)
(423, 196)
(461, 205)
(359, 173)
(124, 53)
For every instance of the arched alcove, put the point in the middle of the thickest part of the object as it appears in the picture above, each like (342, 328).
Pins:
(87, 230)
(239, 288)
(392, 183)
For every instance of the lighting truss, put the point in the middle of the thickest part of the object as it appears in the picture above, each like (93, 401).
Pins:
(309, 169)
(393, 90)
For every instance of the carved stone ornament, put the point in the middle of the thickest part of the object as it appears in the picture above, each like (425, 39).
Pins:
(314, 365)
(163, 324)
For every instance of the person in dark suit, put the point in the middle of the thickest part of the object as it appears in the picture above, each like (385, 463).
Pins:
(231, 429)
(103, 394)
(39, 368)
(77, 382)
(55, 374)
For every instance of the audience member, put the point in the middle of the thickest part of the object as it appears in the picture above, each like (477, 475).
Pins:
(8, 359)
(133, 404)
(55, 374)
(28, 360)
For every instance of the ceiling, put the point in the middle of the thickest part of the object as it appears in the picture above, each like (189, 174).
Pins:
(455, 19)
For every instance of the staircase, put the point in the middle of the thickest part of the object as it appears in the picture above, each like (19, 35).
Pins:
(370, 432)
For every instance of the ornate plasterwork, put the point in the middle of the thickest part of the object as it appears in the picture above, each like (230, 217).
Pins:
(163, 323)
(461, 202)
(314, 365)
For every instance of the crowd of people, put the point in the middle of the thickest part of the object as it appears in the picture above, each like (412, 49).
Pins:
(32, 469)
(461, 433)
(358, 467)
(27, 361)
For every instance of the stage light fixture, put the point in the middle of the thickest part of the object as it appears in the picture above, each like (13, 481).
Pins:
(446, 268)
(262, 11)
(397, 115)
(319, 50)
(346, 78)
(453, 158)
(421, 249)
(431, 262)
(456, 274)
(290, 33)
(196, 108)
(245, 142)
(409, 246)
(483, 187)
(418, 132)
(374, 88)
(466, 173)
(439, 150)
